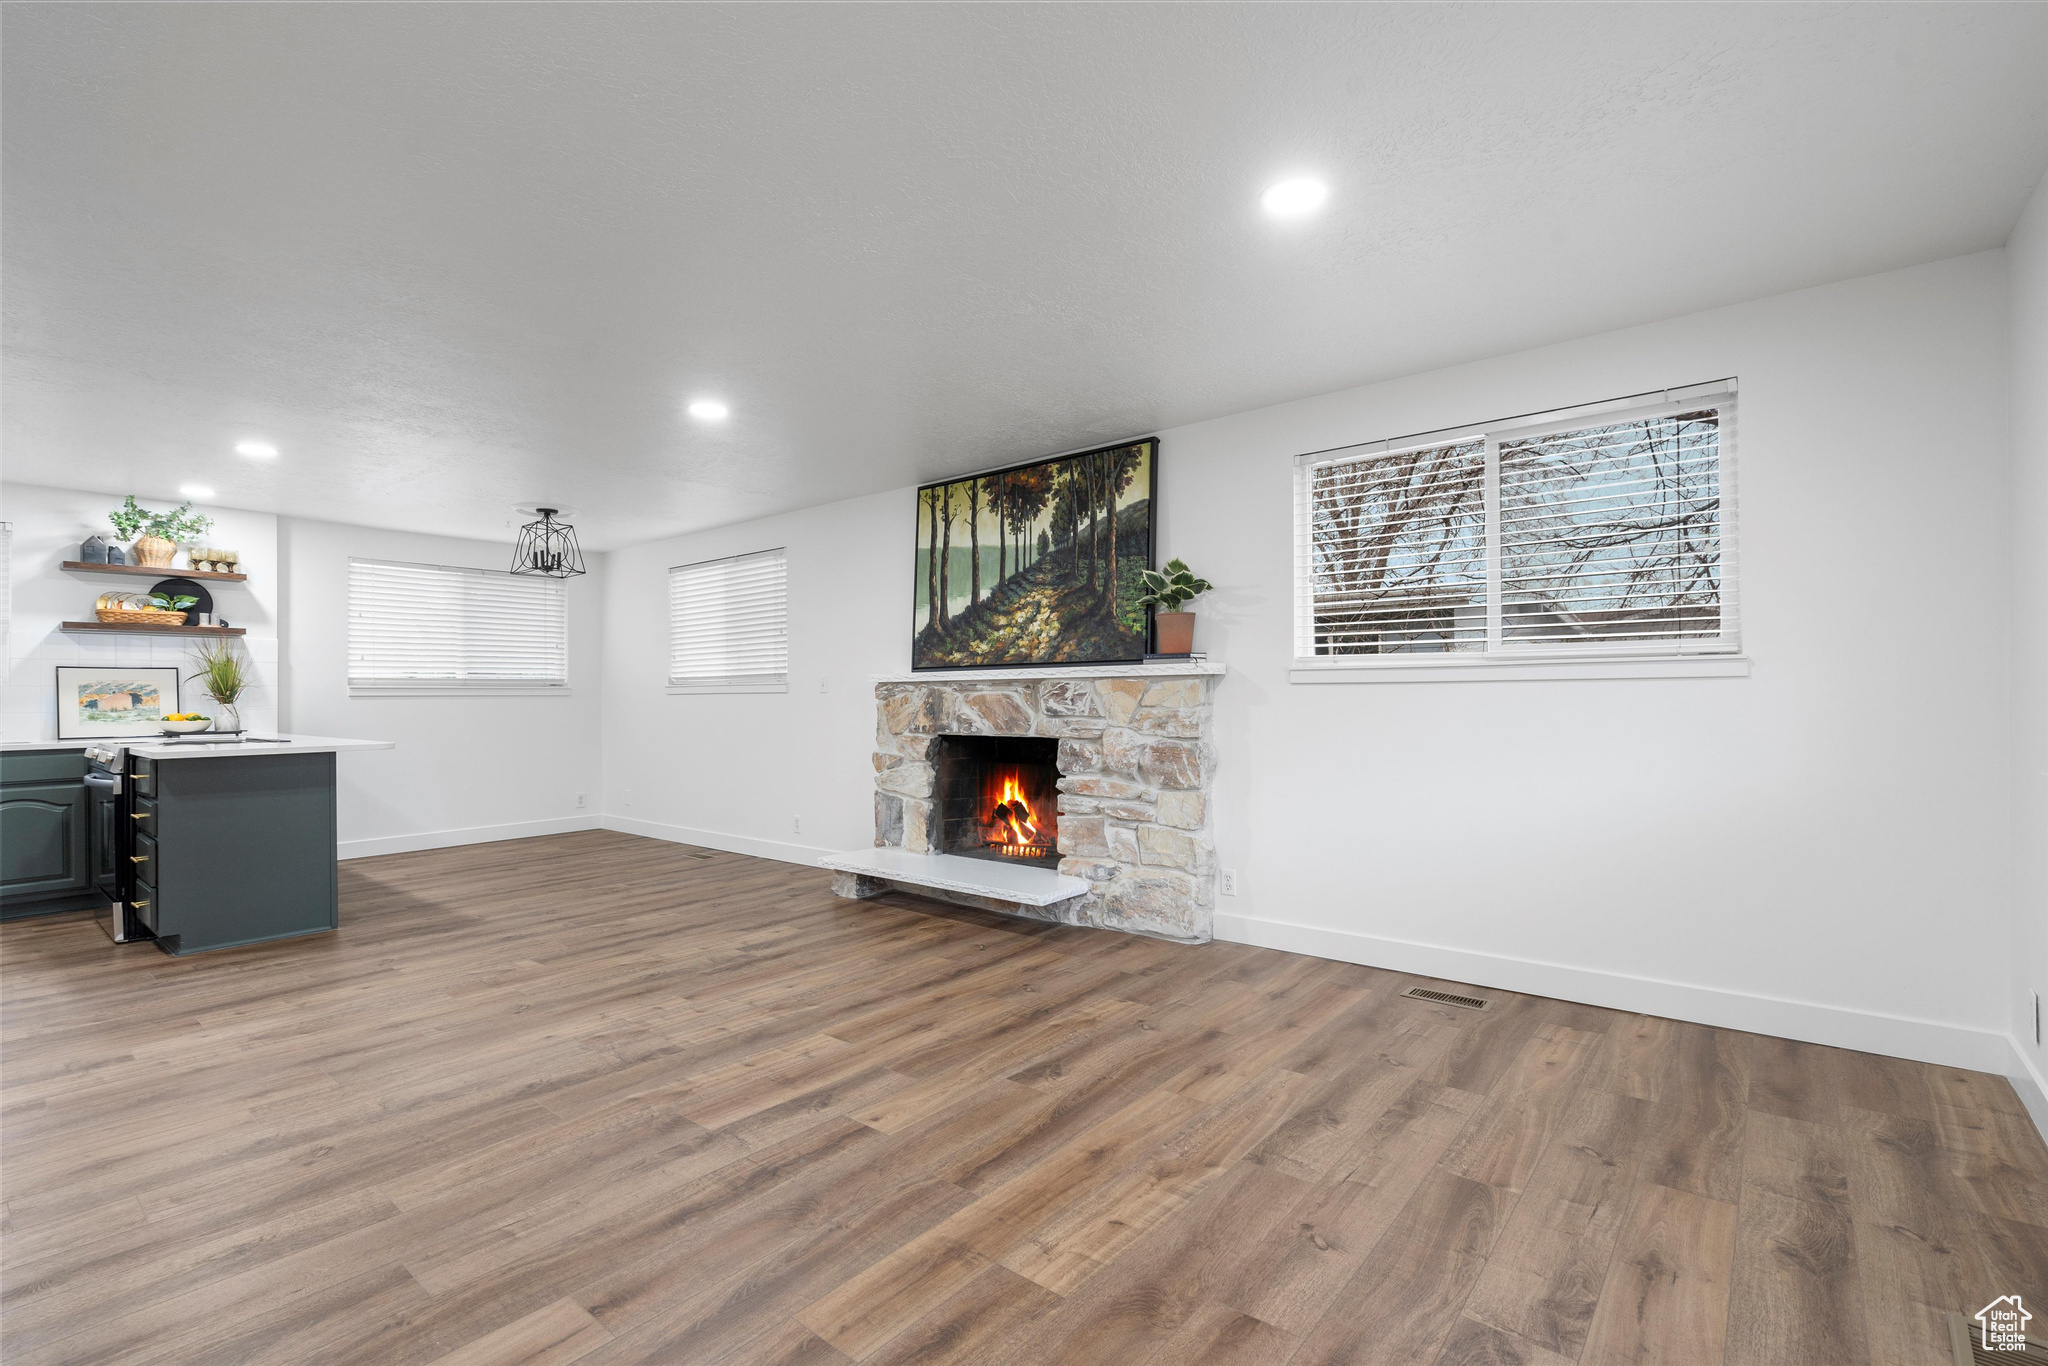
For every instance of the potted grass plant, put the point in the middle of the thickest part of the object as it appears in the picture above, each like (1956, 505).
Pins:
(1165, 591)
(223, 676)
(156, 534)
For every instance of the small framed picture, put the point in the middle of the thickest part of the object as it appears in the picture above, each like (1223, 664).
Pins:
(102, 702)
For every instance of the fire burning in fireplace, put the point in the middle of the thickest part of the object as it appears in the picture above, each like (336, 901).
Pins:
(1012, 826)
(998, 798)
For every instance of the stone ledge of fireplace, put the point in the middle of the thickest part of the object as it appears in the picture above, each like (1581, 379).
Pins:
(1164, 669)
(954, 873)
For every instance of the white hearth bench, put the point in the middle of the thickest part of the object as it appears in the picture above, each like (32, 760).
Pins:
(870, 872)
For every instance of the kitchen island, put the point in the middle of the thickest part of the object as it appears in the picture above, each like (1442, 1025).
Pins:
(203, 845)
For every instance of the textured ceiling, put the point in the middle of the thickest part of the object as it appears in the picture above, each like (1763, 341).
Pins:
(455, 257)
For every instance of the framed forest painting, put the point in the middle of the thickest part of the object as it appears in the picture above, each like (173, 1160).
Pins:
(1036, 565)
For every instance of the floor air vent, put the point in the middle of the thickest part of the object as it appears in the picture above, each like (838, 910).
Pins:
(1970, 1350)
(1447, 998)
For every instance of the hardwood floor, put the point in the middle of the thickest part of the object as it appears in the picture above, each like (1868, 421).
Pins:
(600, 1099)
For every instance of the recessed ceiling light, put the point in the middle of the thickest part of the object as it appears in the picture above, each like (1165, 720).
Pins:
(194, 491)
(256, 450)
(1293, 198)
(709, 410)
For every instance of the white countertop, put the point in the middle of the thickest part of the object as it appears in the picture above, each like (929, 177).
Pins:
(163, 748)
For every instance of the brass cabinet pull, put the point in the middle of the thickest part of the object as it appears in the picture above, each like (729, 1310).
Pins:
(140, 815)
(138, 905)
(138, 858)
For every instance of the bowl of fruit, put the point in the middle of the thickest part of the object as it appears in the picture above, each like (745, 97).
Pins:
(186, 722)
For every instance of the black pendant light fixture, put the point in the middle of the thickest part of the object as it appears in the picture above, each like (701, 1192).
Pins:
(548, 547)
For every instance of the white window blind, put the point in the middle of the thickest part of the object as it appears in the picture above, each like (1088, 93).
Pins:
(1593, 532)
(728, 624)
(440, 628)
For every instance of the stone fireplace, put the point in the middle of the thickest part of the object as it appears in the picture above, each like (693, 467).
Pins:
(1131, 765)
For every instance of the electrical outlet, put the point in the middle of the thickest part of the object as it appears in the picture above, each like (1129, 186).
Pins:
(1229, 887)
(796, 825)
(582, 800)
(625, 796)
(822, 681)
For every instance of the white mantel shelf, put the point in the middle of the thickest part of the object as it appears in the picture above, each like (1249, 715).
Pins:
(952, 873)
(245, 749)
(1162, 669)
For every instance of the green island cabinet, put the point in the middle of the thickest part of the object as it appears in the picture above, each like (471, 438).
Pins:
(230, 846)
(234, 849)
(44, 834)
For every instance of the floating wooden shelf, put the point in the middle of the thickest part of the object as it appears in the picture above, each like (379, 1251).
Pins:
(155, 571)
(154, 630)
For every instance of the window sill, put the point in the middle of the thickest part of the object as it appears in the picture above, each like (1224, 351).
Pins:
(1522, 670)
(429, 690)
(687, 690)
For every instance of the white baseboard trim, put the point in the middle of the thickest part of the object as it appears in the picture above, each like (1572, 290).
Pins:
(475, 834)
(2028, 1081)
(780, 850)
(1899, 1036)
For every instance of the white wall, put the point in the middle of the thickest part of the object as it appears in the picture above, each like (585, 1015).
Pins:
(1819, 850)
(737, 770)
(2027, 258)
(465, 768)
(48, 526)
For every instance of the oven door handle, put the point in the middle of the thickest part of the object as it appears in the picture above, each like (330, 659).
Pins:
(110, 781)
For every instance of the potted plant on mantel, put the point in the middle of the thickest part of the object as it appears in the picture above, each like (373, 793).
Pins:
(156, 534)
(1165, 591)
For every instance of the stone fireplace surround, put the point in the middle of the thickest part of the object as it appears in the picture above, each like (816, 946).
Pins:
(1137, 763)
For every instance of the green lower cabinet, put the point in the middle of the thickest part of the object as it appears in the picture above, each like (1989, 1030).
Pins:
(45, 834)
(227, 850)
(237, 850)
(144, 905)
(43, 851)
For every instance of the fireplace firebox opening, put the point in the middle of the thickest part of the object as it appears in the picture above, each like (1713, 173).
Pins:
(998, 798)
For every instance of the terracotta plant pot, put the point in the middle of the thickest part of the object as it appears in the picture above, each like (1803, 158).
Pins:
(155, 551)
(1176, 631)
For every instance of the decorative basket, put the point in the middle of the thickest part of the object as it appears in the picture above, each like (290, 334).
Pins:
(115, 616)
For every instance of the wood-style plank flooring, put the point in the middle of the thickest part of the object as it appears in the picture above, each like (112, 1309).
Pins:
(601, 1099)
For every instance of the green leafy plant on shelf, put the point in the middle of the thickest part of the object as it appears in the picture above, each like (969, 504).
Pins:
(1167, 589)
(165, 602)
(131, 519)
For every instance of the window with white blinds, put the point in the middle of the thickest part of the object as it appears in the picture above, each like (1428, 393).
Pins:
(441, 628)
(728, 624)
(1594, 532)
